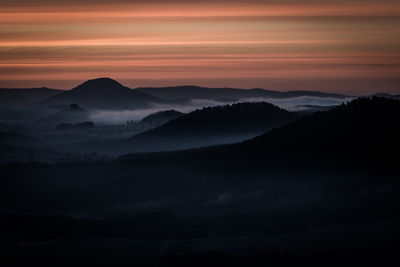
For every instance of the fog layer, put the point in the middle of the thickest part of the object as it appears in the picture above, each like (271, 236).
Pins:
(290, 104)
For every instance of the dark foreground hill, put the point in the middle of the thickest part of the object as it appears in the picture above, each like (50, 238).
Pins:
(365, 130)
(320, 191)
(102, 93)
(203, 127)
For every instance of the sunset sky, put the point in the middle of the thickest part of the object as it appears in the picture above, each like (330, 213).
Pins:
(345, 46)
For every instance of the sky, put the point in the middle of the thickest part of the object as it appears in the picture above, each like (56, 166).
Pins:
(340, 46)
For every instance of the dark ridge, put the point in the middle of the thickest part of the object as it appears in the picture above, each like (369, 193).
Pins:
(245, 117)
(363, 130)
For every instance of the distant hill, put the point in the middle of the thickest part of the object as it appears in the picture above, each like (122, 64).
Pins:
(223, 94)
(102, 93)
(385, 95)
(204, 127)
(20, 97)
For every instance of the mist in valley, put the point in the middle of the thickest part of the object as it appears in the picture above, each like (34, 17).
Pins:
(302, 103)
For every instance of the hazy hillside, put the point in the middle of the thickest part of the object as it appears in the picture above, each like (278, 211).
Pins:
(20, 97)
(72, 114)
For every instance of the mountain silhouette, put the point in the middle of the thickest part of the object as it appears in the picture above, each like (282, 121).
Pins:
(103, 93)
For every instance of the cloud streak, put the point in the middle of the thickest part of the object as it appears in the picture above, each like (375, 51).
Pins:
(60, 42)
